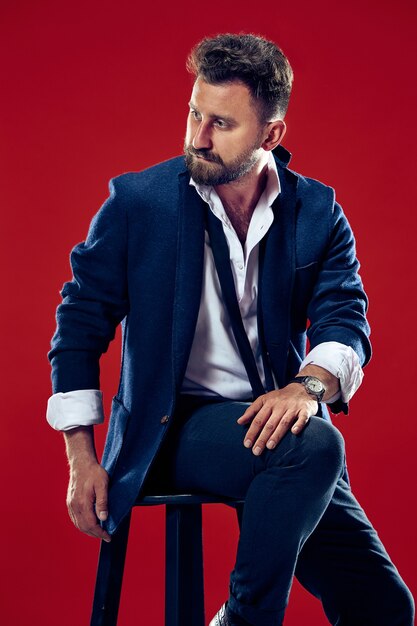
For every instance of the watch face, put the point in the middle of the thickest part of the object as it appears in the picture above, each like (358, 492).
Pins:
(315, 385)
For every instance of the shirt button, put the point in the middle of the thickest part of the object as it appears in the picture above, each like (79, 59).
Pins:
(240, 266)
(164, 419)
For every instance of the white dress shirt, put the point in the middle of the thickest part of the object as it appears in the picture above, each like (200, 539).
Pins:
(215, 366)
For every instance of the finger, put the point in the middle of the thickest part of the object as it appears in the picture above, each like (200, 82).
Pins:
(72, 516)
(284, 426)
(251, 411)
(101, 502)
(301, 423)
(86, 521)
(257, 425)
(274, 430)
(99, 533)
(264, 436)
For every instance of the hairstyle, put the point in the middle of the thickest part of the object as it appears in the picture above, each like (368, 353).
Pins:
(255, 61)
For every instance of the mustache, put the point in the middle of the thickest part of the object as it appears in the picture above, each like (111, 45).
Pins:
(205, 154)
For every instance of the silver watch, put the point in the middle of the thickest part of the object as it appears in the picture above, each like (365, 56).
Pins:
(312, 385)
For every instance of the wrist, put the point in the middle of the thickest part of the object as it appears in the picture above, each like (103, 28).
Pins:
(82, 464)
(312, 385)
(329, 380)
(80, 447)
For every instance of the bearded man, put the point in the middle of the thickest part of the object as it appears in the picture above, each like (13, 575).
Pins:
(218, 267)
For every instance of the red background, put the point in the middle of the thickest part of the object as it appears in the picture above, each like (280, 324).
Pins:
(92, 89)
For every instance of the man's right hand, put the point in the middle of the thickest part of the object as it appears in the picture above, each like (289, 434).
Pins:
(87, 499)
(88, 485)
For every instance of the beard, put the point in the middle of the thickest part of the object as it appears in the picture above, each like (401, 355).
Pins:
(214, 171)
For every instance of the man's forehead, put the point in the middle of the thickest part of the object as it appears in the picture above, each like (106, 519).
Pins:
(227, 98)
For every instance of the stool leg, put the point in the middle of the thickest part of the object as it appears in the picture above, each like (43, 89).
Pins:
(109, 577)
(184, 584)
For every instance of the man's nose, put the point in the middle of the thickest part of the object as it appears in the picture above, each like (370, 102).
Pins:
(202, 139)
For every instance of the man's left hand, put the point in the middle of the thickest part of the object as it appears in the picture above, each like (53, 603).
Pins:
(274, 414)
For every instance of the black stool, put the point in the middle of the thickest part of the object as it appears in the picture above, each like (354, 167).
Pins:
(184, 587)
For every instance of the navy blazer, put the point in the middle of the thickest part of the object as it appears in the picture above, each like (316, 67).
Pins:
(141, 265)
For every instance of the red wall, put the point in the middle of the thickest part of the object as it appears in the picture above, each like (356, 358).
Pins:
(92, 89)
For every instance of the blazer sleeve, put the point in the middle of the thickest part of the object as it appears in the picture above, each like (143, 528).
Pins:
(337, 309)
(93, 302)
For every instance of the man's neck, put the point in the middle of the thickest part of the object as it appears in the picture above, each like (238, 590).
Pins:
(240, 197)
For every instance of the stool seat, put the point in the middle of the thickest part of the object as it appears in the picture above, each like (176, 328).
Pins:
(185, 498)
(184, 584)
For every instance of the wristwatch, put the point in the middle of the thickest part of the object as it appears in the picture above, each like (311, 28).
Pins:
(312, 385)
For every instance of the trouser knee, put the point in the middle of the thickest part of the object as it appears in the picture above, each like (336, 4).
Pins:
(323, 447)
(404, 602)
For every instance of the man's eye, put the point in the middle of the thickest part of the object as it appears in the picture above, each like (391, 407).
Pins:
(196, 115)
(220, 124)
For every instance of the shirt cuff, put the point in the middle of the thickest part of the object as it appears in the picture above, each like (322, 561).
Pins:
(341, 361)
(75, 408)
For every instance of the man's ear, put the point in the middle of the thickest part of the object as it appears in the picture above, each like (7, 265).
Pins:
(275, 133)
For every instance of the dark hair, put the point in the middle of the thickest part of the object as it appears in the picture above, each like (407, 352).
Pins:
(255, 61)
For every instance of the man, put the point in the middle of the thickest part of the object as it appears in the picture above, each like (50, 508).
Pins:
(214, 266)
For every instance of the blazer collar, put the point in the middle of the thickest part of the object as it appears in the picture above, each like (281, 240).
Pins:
(189, 273)
(282, 156)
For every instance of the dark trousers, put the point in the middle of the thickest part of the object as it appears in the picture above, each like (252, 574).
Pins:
(300, 517)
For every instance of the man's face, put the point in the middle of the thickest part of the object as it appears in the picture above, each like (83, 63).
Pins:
(224, 135)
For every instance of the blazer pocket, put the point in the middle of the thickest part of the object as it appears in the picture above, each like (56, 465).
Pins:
(119, 419)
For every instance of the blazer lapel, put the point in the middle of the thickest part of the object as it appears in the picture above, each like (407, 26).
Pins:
(189, 274)
(277, 275)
